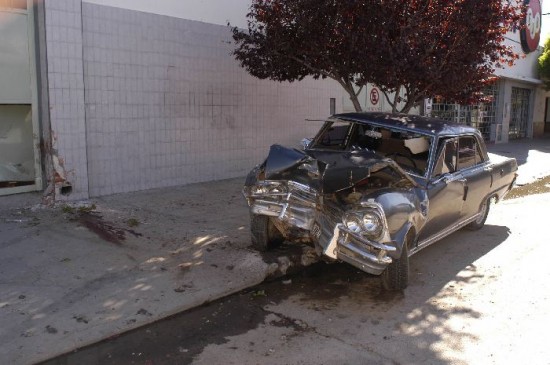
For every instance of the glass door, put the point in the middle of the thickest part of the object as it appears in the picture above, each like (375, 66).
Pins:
(19, 137)
(519, 113)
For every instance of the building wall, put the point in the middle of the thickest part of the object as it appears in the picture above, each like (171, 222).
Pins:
(208, 11)
(141, 100)
(167, 105)
(525, 68)
(146, 94)
(66, 96)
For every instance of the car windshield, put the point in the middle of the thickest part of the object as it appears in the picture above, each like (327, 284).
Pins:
(409, 149)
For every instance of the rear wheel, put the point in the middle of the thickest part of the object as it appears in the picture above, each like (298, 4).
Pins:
(265, 235)
(480, 221)
(396, 275)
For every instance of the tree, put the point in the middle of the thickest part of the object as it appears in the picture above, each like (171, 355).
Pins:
(544, 65)
(411, 49)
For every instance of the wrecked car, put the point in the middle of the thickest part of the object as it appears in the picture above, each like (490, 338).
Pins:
(372, 189)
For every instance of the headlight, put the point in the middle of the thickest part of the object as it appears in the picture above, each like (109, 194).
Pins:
(268, 188)
(369, 224)
(277, 189)
(372, 224)
(258, 190)
(353, 223)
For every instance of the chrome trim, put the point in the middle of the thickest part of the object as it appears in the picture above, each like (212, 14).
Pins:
(366, 255)
(383, 260)
(384, 236)
(364, 240)
(296, 206)
(365, 265)
(436, 237)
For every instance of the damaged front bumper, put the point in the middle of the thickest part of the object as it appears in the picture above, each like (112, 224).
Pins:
(291, 202)
(364, 254)
(295, 205)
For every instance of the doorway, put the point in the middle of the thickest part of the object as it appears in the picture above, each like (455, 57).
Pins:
(547, 116)
(19, 137)
(519, 113)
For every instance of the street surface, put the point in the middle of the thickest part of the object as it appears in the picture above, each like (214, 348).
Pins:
(475, 298)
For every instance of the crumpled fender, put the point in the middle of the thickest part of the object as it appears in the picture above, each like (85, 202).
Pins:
(281, 159)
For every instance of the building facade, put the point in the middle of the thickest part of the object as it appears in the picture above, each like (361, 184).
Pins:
(107, 96)
(128, 95)
(517, 108)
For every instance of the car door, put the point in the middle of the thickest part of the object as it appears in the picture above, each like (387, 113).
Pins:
(446, 190)
(472, 166)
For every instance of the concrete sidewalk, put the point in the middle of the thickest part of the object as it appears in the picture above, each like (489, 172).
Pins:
(533, 156)
(76, 274)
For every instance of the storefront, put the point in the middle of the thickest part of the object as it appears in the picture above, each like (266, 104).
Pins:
(19, 133)
(516, 101)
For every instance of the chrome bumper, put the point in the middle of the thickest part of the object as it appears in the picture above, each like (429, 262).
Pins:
(297, 207)
(361, 252)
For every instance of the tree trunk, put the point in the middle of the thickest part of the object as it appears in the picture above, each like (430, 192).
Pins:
(410, 104)
(348, 86)
(356, 103)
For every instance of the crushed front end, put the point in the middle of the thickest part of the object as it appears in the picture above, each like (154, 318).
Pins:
(343, 217)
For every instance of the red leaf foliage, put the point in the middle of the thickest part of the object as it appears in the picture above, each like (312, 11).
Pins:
(417, 48)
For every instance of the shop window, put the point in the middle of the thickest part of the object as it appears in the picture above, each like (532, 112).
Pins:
(16, 146)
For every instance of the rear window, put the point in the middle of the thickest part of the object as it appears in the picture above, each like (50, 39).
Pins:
(468, 153)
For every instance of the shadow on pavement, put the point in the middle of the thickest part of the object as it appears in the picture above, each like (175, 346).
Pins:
(412, 323)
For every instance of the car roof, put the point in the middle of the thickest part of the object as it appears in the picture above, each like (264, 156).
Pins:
(414, 123)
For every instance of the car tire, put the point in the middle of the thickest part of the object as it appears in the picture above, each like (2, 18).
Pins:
(480, 221)
(396, 275)
(265, 235)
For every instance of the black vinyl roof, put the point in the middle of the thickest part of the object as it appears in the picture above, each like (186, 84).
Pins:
(414, 123)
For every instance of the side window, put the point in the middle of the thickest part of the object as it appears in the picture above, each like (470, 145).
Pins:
(447, 157)
(468, 153)
(335, 136)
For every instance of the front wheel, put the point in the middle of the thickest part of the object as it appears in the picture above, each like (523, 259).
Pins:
(480, 221)
(265, 235)
(396, 275)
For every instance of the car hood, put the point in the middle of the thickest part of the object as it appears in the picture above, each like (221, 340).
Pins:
(335, 170)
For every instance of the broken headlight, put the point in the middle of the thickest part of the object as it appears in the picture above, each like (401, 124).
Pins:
(268, 188)
(353, 223)
(372, 223)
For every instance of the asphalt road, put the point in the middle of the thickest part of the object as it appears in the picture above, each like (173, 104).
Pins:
(475, 298)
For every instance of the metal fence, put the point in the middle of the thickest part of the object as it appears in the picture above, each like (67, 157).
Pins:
(481, 116)
(519, 113)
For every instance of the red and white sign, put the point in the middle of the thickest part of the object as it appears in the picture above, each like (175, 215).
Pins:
(374, 104)
(530, 32)
(374, 96)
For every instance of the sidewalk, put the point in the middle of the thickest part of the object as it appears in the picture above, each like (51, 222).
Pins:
(72, 276)
(533, 156)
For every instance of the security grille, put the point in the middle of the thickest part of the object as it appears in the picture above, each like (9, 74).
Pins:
(519, 113)
(481, 116)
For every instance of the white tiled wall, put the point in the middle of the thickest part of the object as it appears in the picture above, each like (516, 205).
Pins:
(166, 103)
(66, 91)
